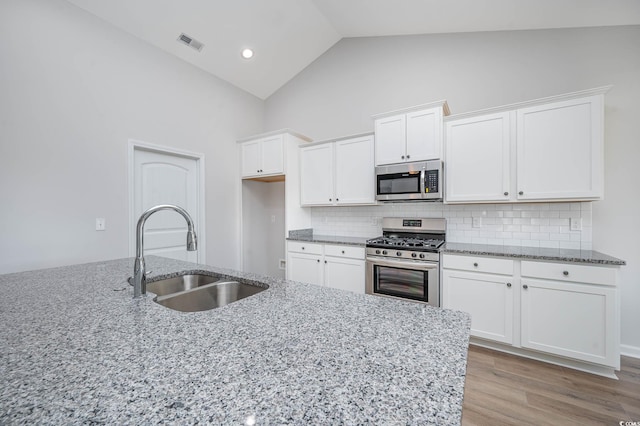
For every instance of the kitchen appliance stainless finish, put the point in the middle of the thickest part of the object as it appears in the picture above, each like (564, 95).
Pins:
(405, 261)
(418, 181)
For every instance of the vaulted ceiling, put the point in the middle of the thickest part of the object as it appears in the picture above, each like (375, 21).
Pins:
(287, 35)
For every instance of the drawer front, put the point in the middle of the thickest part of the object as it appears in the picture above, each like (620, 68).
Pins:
(570, 272)
(302, 247)
(478, 264)
(344, 251)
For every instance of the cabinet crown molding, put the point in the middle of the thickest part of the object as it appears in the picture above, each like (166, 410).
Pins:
(566, 96)
(273, 133)
(442, 103)
(341, 138)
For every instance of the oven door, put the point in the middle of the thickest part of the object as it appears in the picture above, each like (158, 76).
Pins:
(406, 279)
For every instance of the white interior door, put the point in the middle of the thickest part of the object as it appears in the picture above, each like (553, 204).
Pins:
(166, 178)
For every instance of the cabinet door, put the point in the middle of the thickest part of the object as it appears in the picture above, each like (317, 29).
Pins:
(250, 157)
(424, 134)
(316, 175)
(560, 150)
(305, 268)
(568, 319)
(488, 298)
(273, 155)
(390, 138)
(355, 171)
(345, 274)
(477, 162)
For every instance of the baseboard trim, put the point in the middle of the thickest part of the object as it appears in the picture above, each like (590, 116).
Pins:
(630, 351)
(599, 370)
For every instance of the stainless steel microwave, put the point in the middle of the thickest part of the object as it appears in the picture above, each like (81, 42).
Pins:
(416, 181)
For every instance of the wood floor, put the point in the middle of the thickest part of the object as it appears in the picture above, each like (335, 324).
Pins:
(503, 389)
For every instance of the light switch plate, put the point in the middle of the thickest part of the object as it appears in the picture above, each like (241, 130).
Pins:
(101, 224)
(477, 222)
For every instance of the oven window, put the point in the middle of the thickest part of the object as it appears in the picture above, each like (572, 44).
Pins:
(400, 183)
(400, 282)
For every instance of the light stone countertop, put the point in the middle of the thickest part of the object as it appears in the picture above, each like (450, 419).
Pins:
(76, 349)
(534, 253)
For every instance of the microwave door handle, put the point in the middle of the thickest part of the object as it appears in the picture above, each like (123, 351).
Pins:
(423, 183)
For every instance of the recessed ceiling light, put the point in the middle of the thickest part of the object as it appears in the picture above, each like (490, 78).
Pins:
(247, 53)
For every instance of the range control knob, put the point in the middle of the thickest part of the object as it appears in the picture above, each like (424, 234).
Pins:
(384, 252)
(413, 254)
(421, 255)
(377, 251)
(398, 253)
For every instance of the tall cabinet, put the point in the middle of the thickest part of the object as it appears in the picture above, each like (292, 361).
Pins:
(270, 199)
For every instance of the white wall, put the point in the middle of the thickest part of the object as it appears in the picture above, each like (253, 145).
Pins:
(337, 94)
(73, 90)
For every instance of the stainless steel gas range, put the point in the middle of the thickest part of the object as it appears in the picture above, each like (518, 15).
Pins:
(405, 261)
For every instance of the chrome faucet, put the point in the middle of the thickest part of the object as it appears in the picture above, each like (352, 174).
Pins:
(139, 271)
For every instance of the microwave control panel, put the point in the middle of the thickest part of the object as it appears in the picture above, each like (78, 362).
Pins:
(431, 181)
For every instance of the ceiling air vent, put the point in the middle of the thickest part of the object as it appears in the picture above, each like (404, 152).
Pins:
(183, 38)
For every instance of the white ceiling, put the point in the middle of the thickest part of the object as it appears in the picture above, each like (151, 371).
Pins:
(287, 35)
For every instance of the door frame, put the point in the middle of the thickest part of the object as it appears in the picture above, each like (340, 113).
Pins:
(137, 145)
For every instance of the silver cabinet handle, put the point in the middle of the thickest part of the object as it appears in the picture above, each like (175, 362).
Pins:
(302, 248)
(565, 273)
(520, 193)
(475, 264)
(408, 156)
(509, 285)
(402, 157)
(318, 260)
(337, 199)
(325, 261)
(506, 193)
(330, 199)
(525, 286)
(342, 251)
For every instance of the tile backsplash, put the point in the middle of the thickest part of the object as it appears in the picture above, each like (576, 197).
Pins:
(526, 224)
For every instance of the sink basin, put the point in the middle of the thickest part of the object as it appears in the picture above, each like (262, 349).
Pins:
(208, 296)
(181, 283)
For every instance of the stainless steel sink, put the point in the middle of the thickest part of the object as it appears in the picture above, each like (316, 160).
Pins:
(181, 283)
(198, 292)
(209, 296)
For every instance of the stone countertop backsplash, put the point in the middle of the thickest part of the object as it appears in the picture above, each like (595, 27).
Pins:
(77, 348)
(533, 253)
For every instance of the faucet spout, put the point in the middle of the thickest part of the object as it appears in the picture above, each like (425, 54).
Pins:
(139, 269)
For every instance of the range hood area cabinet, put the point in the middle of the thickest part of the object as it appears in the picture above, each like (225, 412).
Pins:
(338, 172)
(410, 134)
(550, 149)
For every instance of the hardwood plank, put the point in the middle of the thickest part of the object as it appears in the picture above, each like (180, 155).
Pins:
(496, 383)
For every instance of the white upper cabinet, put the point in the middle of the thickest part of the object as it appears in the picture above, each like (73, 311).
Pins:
(263, 157)
(545, 150)
(413, 134)
(478, 158)
(316, 175)
(355, 174)
(338, 172)
(560, 150)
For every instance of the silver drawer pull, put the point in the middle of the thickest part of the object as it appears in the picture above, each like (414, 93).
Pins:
(525, 286)
(475, 264)
(509, 285)
(565, 273)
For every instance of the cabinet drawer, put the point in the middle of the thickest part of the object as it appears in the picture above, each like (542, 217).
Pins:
(478, 264)
(302, 247)
(570, 272)
(344, 251)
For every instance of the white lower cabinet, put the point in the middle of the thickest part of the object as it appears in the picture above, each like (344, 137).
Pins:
(563, 310)
(488, 298)
(329, 265)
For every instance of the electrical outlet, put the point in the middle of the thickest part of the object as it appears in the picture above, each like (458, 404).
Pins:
(101, 224)
(477, 222)
(282, 264)
(576, 224)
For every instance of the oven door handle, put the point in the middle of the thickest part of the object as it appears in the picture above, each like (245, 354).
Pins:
(419, 265)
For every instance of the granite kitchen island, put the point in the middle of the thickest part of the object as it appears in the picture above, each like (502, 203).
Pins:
(76, 348)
